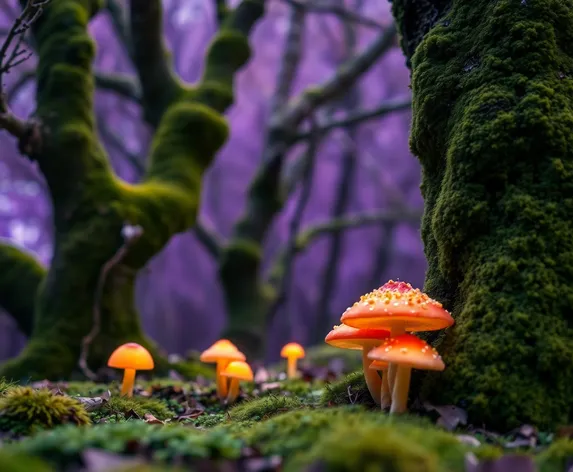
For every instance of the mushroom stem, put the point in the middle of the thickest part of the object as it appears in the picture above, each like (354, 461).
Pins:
(128, 381)
(291, 367)
(221, 381)
(371, 377)
(394, 332)
(385, 392)
(401, 387)
(233, 391)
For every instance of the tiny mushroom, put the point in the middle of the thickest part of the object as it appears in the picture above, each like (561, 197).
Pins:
(130, 357)
(398, 307)
(292, 352)
(364, 340)
(407, 352)
(222, 352)
(236, 371)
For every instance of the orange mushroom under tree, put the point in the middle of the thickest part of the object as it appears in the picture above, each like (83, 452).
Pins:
(363, 340)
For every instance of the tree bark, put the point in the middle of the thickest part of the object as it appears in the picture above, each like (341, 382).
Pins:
(91, 206)
(492, 118)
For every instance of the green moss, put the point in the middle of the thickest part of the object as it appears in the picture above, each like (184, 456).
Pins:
(263, 408)
(556, 457)
(20, 463)
(64, 446)
(21, 277)
(24, 410)
(351, 389)
(492, 117)
(120, 407)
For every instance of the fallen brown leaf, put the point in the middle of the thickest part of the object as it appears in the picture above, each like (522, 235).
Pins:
(149, 418)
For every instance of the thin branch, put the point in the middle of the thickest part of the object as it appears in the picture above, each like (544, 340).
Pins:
(118, 20)
(405, 215)
(27, 132)
(337, 10)
(130, 235)
(117, 142)
(281, 279)
(344, 78)
(209, 239)
(360, 116)
(159, 83)
(122, 84)
(290, 59)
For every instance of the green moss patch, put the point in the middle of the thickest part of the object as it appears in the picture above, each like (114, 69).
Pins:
(24, 410)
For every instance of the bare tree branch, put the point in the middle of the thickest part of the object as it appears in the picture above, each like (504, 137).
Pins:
(115, 141)
(209, 239)
(122, 84)
(406, 215)
(346, 76)
(11, 56)
(291, 58)
(118, 19)
(159, 83)
(360, 116)
(281, 278)
(337, 10)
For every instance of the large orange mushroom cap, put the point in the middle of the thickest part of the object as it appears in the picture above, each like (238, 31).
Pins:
(408, 350)
(346, 337)
(292, 351)
(238, 370)
(131, 356)
(222, 350)
(397, 303)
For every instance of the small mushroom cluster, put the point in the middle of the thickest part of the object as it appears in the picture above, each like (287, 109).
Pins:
(379, 325)
(232, 368)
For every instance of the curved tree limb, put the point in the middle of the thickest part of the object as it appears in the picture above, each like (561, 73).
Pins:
(192, 130)
(21, 275)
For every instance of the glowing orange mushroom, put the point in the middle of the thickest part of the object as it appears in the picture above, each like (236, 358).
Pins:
(130, 357)
(222, 352)
(236, 371)
(292, 352)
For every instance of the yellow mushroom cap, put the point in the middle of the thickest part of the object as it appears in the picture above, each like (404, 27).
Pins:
(408, 350)
(222, 350)
(293, 351)
(238, 370)
(131, 356)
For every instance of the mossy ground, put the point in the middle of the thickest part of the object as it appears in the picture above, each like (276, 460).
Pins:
(276, 424)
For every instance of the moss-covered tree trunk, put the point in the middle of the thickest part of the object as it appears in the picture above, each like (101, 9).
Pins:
(91, 206)
(492, 127)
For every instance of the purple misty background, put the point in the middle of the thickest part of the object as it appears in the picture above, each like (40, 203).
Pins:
(179, 296)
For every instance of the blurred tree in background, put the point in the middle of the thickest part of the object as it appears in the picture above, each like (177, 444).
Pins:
(300, 128)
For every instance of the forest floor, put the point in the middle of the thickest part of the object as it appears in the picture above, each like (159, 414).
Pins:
(324, 421)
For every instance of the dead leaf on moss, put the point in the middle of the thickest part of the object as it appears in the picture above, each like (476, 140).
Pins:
(450, 416)
(99, 460)
(94, 403)
(524, 436)
(132, 414)
(509, 463)
(150, 419)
